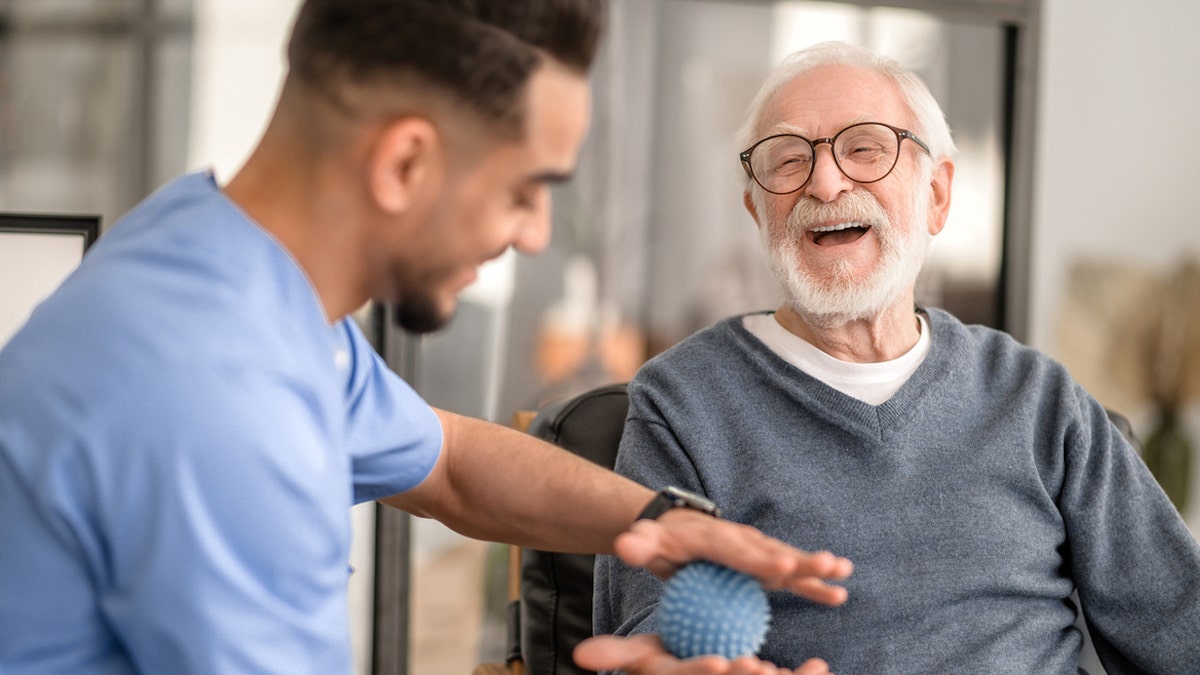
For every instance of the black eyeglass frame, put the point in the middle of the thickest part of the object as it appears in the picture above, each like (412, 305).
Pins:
(901, 134)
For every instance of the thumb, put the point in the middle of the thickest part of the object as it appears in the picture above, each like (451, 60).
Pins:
(640, 654)
(608, 652)
(645, 544)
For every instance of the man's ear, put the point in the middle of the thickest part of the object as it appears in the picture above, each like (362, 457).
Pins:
(748, 201)
(939, 202)
(404, 158)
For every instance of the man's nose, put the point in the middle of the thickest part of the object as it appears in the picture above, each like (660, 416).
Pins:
(827, 181)
(535, 229)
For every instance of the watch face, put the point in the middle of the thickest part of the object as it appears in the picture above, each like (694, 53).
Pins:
(675, 498)
(687, 498)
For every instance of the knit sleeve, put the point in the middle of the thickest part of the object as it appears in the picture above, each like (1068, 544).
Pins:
(626, 597)
(1135, 563)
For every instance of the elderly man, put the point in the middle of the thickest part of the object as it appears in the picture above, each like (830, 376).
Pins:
(186, 422)
(974, 484)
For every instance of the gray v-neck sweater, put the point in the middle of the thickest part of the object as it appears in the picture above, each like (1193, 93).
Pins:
(973, 502)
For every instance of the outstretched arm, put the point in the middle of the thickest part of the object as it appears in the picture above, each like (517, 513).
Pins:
(495, 483)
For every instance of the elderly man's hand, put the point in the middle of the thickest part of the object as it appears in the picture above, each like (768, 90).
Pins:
(644, 654)
(680, 536)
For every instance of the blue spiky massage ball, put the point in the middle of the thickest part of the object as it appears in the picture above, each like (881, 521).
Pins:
(710, 609)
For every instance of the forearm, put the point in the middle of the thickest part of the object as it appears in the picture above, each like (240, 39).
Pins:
(499, 484)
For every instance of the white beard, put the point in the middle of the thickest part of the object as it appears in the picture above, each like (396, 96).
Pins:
(833, 296)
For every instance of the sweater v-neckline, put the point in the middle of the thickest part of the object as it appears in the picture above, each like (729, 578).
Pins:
(877, 421)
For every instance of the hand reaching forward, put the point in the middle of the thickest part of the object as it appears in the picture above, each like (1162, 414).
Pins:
(681, 536)
(644, 654)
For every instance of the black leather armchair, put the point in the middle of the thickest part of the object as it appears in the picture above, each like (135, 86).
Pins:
(553, 610)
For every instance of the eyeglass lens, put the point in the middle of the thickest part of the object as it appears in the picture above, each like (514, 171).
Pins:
(865, 153)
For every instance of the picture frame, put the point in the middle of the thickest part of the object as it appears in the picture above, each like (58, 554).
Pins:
(37, 252)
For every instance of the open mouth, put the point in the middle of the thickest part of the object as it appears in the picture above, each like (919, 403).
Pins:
(836, 235)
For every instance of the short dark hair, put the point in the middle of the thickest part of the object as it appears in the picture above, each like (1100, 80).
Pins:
(480, 53)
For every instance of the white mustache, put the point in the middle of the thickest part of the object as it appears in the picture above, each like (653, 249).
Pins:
(857, 206)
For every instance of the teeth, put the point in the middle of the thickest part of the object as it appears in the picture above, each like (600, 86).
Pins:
(838, 227)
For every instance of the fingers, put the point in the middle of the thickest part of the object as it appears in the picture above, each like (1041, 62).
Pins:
(748, 665)
(607, 652)
(680, 536)
(805, 579)
(816, 590)
(644, 655)
(814, 667)
(752, 666)
(641, 655)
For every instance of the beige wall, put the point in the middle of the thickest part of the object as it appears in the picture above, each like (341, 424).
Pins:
(1118, 157)
(238, 67)
(1110, 182)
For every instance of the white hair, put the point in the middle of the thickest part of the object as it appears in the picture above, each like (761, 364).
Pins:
(929, 120)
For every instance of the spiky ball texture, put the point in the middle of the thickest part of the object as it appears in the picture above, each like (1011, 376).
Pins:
(710, 609)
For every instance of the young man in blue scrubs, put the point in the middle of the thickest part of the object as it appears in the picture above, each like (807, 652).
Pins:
(185, 424)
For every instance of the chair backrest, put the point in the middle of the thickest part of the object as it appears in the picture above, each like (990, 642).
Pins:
(556, 588)
(1123, 425)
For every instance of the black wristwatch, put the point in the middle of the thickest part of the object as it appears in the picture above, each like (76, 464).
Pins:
(674, 498)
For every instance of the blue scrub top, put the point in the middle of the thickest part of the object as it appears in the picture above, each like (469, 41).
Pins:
(182, 434)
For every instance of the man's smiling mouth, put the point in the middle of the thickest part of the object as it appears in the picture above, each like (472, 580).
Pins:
(841, 233)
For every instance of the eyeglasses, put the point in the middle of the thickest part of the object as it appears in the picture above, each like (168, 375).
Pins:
(865, 152)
